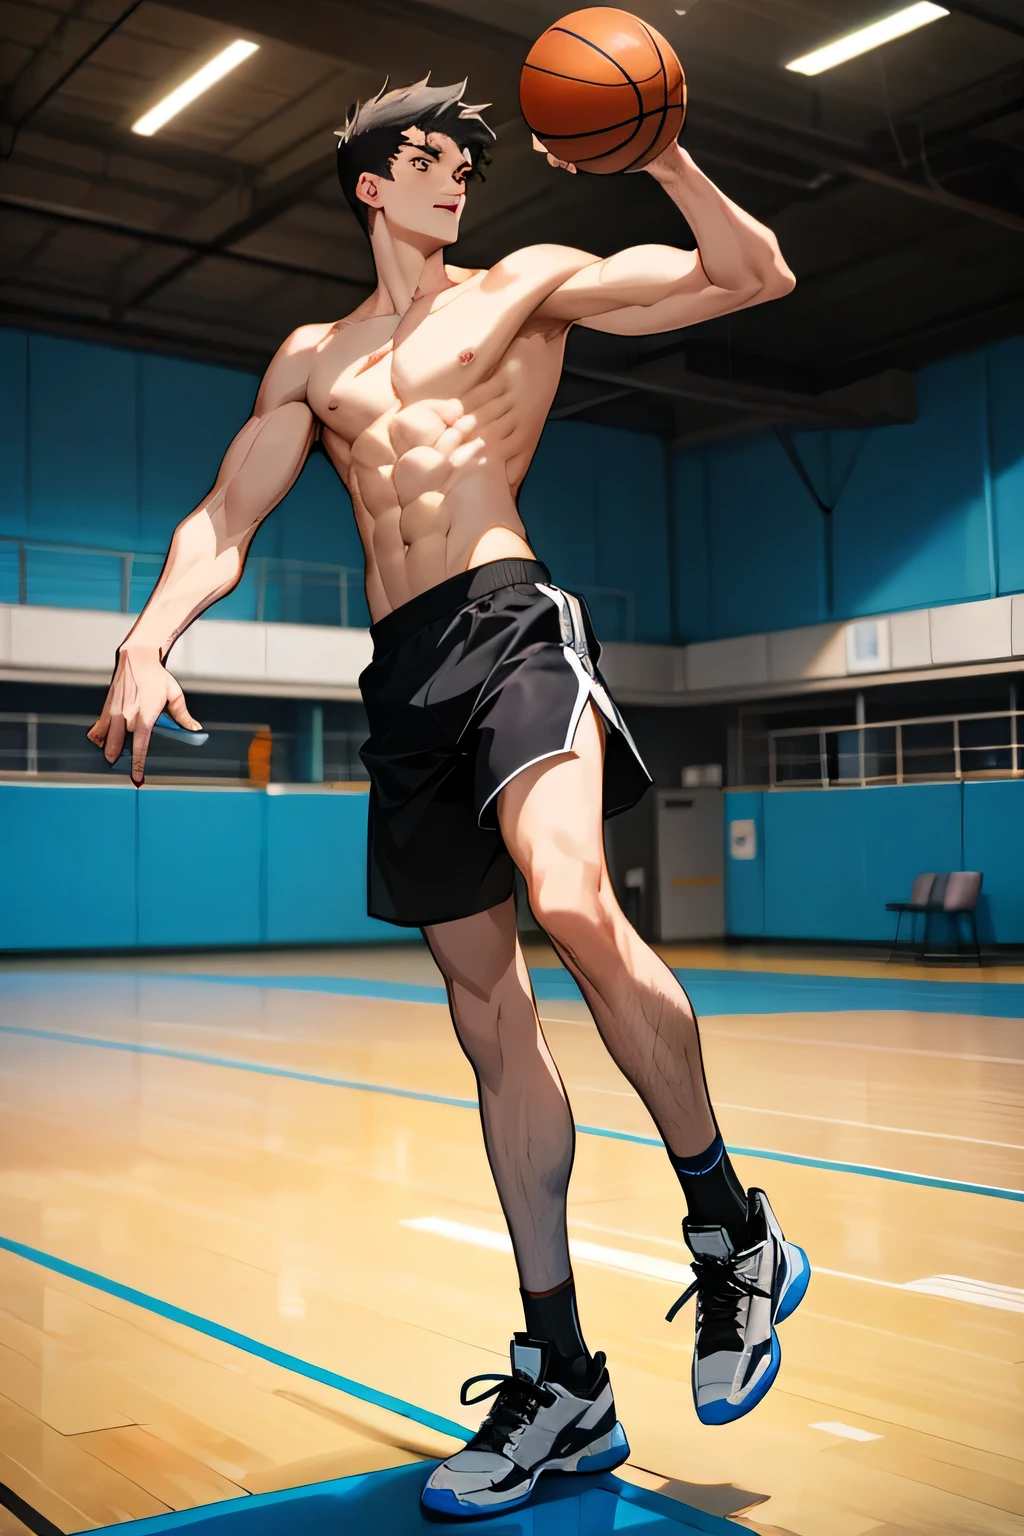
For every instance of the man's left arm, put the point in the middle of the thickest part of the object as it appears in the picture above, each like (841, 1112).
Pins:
(652, 288)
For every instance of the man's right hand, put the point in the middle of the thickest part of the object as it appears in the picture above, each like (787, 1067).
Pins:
(142, 688)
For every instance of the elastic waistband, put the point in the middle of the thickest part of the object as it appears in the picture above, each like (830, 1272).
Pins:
(448, 596)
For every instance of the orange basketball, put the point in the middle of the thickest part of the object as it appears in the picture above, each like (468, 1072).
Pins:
(603, 90)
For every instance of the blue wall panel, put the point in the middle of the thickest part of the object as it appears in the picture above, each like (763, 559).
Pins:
(744, 878)
(316, 870)
(631, 530)
(910, 526)
(833, 858)
(200, 866)
(189, 412)
(765, 536)
(83, 441)
(690, 548)
(994, 843)
(67, 867)
(13, 428)
(105, 868)
(558, 503)
(1006, 415)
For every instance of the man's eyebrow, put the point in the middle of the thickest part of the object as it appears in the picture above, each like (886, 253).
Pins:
(421, 149)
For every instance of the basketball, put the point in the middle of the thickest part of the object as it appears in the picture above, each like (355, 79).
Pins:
(603, 90)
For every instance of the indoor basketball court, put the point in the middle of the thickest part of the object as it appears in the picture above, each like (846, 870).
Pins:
(257, 1266)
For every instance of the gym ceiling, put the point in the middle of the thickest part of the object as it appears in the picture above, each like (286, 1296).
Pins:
(895, 183)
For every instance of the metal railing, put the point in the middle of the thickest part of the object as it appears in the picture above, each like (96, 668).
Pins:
(928, 749)
(272, 590)
(43, 746)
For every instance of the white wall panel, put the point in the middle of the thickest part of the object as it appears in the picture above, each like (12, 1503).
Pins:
(66, 639)
(5, 636)
(307, 653)
(1017, 625)
(971, 631)
(817, 650)
(639, 668)
(910, 640)
(221, 648)
(728, 663)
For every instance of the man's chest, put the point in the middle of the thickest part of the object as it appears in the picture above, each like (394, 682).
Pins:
(368, 372)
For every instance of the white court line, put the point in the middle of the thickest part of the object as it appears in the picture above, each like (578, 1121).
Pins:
(980, 1293)
(847, 1431)
(858, 1045)
(864, 1125)
(842, 1045)
(791, 1114)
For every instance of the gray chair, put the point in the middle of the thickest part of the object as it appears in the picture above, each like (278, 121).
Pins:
(922, 894)
(963, 887)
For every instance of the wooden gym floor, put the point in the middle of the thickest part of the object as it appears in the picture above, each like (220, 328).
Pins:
(248, 1239)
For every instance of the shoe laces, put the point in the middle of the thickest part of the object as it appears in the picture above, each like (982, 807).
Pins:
(518, 1399)
(719, 1288)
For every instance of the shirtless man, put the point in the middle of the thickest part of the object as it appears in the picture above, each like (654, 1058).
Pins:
(493, 740)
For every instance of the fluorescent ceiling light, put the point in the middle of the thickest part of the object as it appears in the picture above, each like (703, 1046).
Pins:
(879, 32)
(194, 86)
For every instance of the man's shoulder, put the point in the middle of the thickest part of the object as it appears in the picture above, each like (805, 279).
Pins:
(539, 264)
(306, 338)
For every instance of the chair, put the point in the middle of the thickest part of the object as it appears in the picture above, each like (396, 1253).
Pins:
(921, 894)
(963, 887)
(955, 894)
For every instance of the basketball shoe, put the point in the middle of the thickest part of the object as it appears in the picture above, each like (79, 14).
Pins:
(536, 1425)
(741, 1295)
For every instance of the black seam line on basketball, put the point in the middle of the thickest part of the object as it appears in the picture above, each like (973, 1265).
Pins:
(592, 133)
(664, 96)
(625, 73)
(604, 85)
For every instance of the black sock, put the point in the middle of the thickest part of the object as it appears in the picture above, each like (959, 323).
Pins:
(714, 1195)
(552, 1317)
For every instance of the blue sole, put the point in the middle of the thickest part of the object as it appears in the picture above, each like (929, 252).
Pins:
(724, 1412)
(796, 1290)
(442, 1501)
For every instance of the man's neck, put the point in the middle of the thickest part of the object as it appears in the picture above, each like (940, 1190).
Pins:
(407, 268)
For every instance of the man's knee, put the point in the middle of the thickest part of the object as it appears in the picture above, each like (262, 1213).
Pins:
(572, 901)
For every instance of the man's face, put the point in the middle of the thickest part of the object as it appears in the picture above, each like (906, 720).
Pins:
(426, 196)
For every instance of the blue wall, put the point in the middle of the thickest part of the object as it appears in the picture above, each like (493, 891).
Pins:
(106, 867)
(147, 435)
(924, 514)
(829, 860)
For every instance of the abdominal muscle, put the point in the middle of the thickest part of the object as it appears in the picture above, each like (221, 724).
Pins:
(433, 482)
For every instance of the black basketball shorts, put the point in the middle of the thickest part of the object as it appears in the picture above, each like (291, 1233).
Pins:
(471, 682)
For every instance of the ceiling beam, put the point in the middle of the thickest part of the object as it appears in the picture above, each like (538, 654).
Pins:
(72, 43)
(816, 151)
(889, 398)
(985, 14)
(198, 250)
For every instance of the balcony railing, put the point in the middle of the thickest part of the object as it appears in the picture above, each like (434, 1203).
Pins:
(41, 746)
(272, 590)
(932, 749)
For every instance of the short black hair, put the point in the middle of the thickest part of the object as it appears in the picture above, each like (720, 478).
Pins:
(374, 132)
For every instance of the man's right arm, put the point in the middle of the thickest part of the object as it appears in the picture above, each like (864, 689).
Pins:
(208, 549)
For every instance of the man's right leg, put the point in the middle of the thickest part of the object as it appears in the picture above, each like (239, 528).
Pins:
(527, 1123)
(556, 1411)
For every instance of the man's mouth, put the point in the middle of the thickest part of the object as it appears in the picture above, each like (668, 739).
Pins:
(448, 207)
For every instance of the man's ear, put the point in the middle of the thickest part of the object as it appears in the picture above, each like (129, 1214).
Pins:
(368, 189)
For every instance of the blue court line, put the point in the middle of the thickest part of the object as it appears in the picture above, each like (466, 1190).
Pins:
(711, 992)
(231, 1336)
(237, 1064)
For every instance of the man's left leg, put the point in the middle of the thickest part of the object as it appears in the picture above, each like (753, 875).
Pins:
(747, 1276)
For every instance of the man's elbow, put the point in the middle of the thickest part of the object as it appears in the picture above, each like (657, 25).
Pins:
(775, 284)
